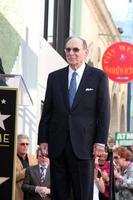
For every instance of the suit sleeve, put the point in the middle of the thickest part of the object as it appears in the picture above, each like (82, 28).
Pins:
(26, 186)
(43, 129)
(103, 110)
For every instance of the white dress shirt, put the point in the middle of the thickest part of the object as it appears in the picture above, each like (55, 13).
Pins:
(79, 72)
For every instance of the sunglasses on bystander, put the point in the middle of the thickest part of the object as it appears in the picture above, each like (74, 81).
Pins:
(24, 144)
(115, 157)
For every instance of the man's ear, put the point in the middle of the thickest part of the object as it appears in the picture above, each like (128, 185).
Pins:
(86, 53)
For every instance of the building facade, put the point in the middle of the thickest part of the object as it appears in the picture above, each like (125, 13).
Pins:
(32, 38)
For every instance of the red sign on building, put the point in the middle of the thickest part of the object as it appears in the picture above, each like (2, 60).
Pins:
(117, 62)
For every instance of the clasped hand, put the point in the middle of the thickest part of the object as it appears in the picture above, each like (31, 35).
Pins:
(42, 191)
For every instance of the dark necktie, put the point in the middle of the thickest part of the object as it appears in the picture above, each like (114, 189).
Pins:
(72, 88)
(42, 171)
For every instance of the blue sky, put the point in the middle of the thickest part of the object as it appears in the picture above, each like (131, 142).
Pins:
(122, 13)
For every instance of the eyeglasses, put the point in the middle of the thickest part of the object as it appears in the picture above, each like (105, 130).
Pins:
(102, 156)
(42, 156)
(75, 50)
(115, 157)
(24, 144)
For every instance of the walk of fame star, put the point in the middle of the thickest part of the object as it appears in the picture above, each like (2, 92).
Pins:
(2, 118)
(3, 179)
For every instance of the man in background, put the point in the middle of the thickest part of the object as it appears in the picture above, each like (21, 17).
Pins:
(36, 185)
(23, 161)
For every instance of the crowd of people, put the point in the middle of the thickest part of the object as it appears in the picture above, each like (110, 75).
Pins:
(33, 173)
(122, 174)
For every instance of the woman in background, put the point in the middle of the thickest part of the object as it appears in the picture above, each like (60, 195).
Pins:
(103, 170)
(99, 185)
(124, 183)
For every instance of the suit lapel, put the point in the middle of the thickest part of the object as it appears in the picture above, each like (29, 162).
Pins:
(83, 84)
(47, 177)
(81, 88)
(37, 174)
(64, 85)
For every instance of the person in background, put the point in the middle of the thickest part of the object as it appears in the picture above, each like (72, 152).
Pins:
(74, 123)
(99, 185)
(103, 168)
(130, 148)
(124, 180)
(23, 161)
(36, 184)
(110, 142)
(2, 79)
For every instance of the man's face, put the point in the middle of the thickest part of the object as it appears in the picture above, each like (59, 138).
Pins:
(22, 147)
(75, 53)
(116, 158)
(102, 159)
(43, 160)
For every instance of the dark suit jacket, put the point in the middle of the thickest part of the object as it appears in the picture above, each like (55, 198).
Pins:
(87, 122)
(33, 179)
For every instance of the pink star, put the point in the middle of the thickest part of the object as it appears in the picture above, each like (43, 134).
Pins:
(2, 118)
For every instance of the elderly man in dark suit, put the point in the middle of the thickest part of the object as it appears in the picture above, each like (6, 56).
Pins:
(74, 123)
(36, 185)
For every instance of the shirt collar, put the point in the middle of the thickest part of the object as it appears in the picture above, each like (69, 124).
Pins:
(79, 71)
(21, 158)
(43, 166)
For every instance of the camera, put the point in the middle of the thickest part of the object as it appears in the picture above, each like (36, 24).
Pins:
(99, 174)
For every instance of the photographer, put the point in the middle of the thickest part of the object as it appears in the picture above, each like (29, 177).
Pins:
(99, 185)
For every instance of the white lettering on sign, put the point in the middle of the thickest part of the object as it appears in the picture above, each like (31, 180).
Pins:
(129, 136)
(125, 142)
(121, 136)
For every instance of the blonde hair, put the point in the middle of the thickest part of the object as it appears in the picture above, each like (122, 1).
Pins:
(123, 152)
